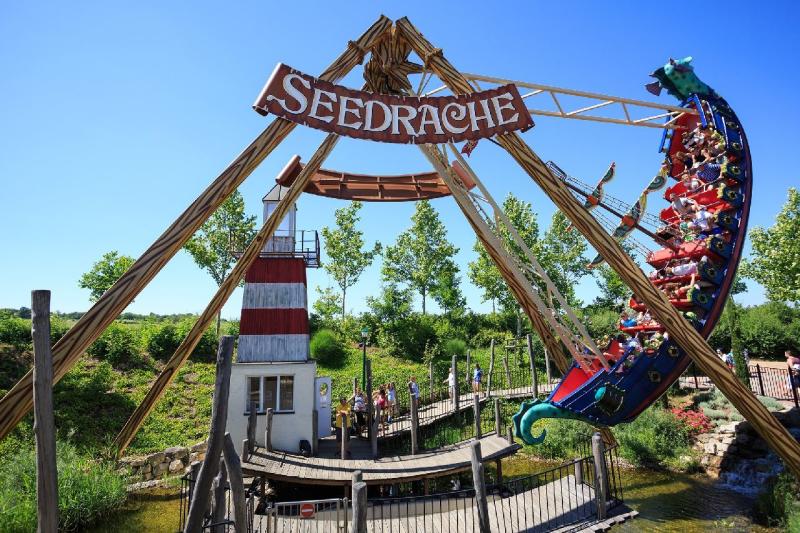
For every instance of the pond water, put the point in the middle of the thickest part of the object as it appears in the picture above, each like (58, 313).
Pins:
(667, 502)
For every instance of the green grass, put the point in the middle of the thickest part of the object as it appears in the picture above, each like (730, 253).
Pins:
(88, 490)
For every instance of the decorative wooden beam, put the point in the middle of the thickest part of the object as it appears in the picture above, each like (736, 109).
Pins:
(678, 328)
(19, 400)
(224, 291)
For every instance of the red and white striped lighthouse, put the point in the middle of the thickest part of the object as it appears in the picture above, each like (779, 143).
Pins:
(274, 320)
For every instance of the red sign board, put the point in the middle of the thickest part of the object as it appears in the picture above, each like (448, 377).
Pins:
(307, 510)
(391, 118)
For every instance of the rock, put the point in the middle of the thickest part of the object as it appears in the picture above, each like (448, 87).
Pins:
(193, 457)
(175, 466)
(710, 447)
(728, 428)
(147, 476)
(727, 440)
(200, 447)
(177, 452)
(156, 458)
(721, 449)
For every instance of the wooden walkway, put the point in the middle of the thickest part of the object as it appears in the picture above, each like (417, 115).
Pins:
(557, 506)
(433, 412)
(294, 468)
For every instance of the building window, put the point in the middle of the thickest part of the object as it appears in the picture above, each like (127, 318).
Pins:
(270, 392)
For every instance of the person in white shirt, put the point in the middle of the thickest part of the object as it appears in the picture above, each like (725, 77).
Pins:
(451, 383)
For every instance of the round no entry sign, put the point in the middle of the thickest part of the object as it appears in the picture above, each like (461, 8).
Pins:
(307, 510)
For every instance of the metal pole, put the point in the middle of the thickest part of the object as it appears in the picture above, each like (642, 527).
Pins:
(760, 380)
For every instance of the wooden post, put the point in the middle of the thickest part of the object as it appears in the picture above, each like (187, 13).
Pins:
(359, 524)
(234, 467)
(679, 329)
(224, 291)
(479, 482)
(469, 367)
(252, 421)
(268, 431)
(19, 400)
(476, 409)
(216, 437)
(345, 437)
(498, 466)
(414, 426)
(600, 474)
(579, 471)
(548, 371)
(245, 450)
(507, 369)
(314, 432)
(219, 507)
(43, 420)
(368, 398)
(432, 395)
(760, 380)
(375, 428)
(532, 361)
(694, 373)
(491, 368)
(453, 365)
(497, 418)
(358, 476)
(510, 436)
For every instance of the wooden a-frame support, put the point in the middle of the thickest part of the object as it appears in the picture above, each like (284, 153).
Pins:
(678, 328)
(250, 254)
(19, 400)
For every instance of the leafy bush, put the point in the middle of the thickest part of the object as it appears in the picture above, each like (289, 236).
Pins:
(484, 337)
(87, 490)
(409, 337)
(697, 421)
(327, 348)
(779, 505)
(656, 437)
(602, 322)
(564, 438)
(161, 340)
(206, 349)
(119, 345)
(454, 347)
(16, 332)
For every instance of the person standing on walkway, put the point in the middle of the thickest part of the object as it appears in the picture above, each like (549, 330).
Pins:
(477, 376)
(391, 400)
(342, 409)
(413, 389)
(451, 384)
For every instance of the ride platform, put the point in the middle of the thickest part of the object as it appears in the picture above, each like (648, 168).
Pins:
(294, 468)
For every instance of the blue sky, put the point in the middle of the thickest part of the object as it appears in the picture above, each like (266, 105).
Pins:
(116, 116)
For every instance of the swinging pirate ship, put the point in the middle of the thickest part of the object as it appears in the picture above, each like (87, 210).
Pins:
(599, 387)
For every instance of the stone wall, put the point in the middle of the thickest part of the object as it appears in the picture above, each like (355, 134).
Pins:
(736, 453)
(170, 462)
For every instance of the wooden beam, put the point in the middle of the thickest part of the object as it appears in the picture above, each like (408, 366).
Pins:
(43, 419)
(680, 331)
(238, 501)
(19, 400)
(216, 438)
(224, 291)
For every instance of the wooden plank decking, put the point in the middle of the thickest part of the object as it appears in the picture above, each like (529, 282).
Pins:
(560, 505)
(396, 469)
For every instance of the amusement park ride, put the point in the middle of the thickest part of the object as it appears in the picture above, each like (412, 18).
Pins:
(608, 381)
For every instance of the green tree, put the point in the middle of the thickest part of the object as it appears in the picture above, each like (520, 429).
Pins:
(561, 252)
(228, 229)
(775, 260)
(614, 293)
(104, 273)
(421, 255)
(327, 305)
(344, 246)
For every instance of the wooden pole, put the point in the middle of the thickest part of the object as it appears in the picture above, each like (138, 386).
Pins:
(430, 380)
(507, 369)
(600, 474)
(510, 436)
(224, 291)
(314, 432)
(532, 361)
(497, 418)
(680, 331)
(375, 428)
(548, 371)
(760, 381)
(219, 505)
(469, 367)
(453, 365)
(252, 420)
(43, 419)
(579, 471)
(359, 524)
(246, 449)
(491, 368)
(414, 426)
(268, 430)
(476, 410)
(345, 437)
(19, 400)
(498, 465)
(234, 466)
(479, 482)
(216, 437)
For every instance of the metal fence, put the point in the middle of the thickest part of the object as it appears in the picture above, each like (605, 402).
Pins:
(216, 522)
(310, 516)
(764, 381)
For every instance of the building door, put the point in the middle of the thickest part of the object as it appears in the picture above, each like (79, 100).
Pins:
(322, 404)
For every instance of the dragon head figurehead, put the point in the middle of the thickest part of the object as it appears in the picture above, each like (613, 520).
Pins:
(679, 79)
